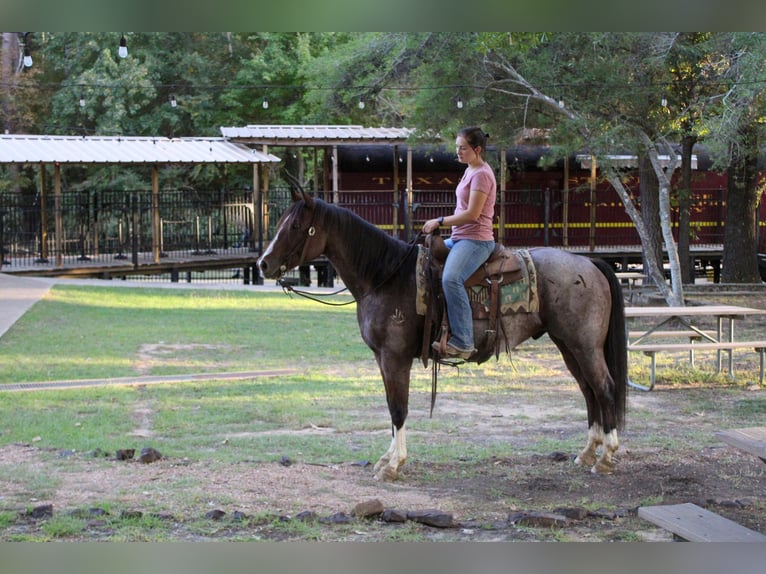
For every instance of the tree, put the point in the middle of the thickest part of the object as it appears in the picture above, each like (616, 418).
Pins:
(735, 135)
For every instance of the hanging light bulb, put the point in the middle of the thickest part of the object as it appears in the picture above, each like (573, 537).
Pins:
(561, 102)
(361, 104)
(122, 52)
(173, 102)
(27, 61)
(82, 101)
(459, 103)
(265, 103)
(664, 101)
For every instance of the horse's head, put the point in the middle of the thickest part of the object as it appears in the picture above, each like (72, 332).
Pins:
(297, 239)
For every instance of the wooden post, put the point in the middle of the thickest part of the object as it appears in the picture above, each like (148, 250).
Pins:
(565, 205)
(395, 205)
(58, 215)
(43, 216)
(156, 230)
(335, 191)
(257, 209)
(264, 189)
(592, 228)
(503, 184)
(409, 197)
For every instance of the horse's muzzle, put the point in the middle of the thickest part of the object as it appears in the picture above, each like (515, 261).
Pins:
(270, 271)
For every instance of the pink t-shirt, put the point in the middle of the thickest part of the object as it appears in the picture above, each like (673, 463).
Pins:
(481, 179)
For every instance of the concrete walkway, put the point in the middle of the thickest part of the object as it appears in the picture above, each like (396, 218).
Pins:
(17, 295)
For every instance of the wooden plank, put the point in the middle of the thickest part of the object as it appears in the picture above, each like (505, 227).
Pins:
(751, 440)
(707, 346)
(679, 333)
(696, 524)
(693, 311)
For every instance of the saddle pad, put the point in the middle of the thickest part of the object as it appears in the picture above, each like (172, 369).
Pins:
(517, 297)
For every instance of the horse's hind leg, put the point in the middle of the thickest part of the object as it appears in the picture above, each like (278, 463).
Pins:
(396, 379)
(587, 456)
(598, 405)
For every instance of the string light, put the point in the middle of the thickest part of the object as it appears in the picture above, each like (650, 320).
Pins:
(664, 101)
(122, 51)
(173, 102)
(25, 57)
(82, 101)
(265, 103)
(459, 103)
(361, 104)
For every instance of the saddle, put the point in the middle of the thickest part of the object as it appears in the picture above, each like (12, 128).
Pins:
(504, 267)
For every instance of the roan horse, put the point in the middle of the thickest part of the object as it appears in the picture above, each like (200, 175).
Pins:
(581, 309)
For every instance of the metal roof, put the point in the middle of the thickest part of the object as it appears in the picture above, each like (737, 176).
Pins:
(316, 135)
(125, 150)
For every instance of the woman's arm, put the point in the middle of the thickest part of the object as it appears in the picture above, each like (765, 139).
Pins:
(476, 201)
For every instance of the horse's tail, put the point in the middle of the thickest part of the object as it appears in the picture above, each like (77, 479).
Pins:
(616, 345)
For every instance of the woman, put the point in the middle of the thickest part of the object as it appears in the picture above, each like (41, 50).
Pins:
(472, 240)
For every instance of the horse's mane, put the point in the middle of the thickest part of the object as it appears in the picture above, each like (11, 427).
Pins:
(374, 254)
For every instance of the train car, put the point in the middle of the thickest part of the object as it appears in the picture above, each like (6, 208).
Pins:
(555, 205)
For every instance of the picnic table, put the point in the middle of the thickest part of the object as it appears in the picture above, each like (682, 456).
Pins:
(629, 278)
(683, 321)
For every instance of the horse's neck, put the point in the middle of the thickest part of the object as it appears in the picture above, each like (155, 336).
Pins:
(365, 260)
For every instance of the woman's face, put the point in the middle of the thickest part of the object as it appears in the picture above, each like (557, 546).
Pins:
(465, 153)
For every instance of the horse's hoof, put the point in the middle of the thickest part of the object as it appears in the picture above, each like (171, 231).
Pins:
(380, 464)
(386, 474)
(585, 459)
(603, 467)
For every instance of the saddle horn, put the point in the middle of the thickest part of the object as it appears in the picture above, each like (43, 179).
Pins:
(300, 193)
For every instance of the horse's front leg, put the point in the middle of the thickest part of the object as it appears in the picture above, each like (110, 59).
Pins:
(396, 379)
(387, 467)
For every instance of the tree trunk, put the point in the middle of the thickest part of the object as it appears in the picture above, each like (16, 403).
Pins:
(740, 248)
(9, 52)
(650, 212)
(684, 206)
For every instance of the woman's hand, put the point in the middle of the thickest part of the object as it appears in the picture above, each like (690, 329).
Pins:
(430, 226)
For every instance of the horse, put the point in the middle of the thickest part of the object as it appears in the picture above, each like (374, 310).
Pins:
(581, 309)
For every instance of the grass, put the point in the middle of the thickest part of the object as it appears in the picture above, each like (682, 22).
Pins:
(93, 332)
(331, 410)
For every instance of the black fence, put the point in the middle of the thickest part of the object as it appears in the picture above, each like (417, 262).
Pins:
(213, 227)
(103, 226)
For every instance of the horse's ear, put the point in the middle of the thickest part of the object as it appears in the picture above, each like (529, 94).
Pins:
(296, 190)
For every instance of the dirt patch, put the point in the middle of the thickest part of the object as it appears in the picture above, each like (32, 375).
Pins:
(669, 454)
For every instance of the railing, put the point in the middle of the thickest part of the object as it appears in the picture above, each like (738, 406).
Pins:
(111, 225)
(100, 226)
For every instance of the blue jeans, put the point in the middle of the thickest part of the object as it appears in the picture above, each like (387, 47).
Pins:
(465, 257)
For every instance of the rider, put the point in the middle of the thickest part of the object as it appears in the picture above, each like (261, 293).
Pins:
(472, 240)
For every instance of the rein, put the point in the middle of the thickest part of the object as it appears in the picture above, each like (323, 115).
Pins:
(289, 289)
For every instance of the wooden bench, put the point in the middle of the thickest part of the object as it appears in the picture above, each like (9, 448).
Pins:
(693, 336)
(651, 349)
(690, 522)
(751, 440)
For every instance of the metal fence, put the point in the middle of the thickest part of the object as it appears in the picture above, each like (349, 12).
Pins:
(112, 225)
(107, 225)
